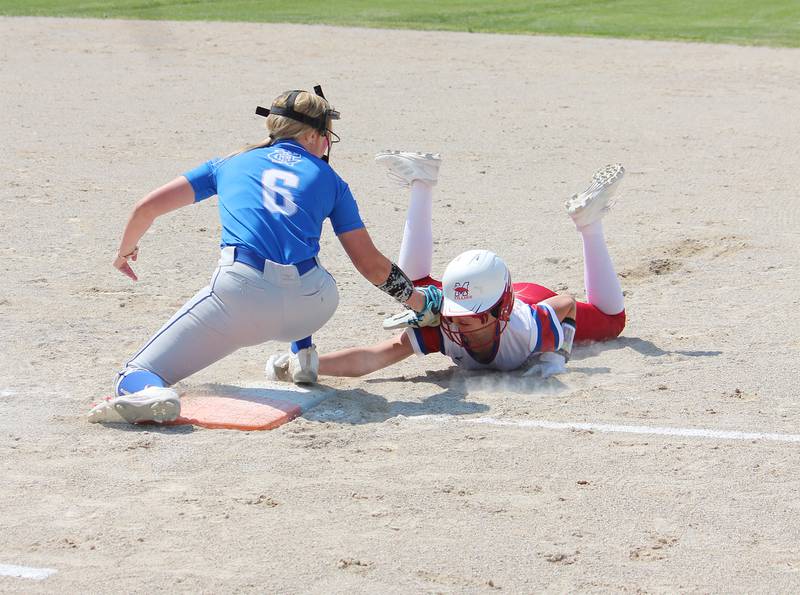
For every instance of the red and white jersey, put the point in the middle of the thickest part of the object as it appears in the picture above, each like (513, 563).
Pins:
(531, 329)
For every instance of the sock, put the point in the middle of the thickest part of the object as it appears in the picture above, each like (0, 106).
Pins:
(416, 251)
(602, 285)
(301, 344)
(132, 380)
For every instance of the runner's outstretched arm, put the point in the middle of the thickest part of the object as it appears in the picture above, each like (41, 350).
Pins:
(358, 361)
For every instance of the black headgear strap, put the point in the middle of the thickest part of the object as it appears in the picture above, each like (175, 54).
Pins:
(320, 123)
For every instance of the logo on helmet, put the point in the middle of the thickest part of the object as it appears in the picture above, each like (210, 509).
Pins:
(461, 291)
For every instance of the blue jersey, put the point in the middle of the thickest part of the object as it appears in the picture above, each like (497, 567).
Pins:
(274, 200)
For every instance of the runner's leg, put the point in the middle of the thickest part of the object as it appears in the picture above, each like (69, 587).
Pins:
(416, 249)
(603, 289)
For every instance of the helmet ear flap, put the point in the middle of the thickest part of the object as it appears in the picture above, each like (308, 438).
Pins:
(506, 303)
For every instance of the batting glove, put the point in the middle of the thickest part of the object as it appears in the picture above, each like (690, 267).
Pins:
(429, 316)
(549, 364)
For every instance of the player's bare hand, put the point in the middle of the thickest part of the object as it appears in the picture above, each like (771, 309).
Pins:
(277, 367)
(122, 265)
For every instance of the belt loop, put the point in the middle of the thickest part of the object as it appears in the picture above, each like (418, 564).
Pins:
(283, 275)
(227, 255)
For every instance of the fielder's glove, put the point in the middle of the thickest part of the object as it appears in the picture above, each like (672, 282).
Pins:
(429, 316)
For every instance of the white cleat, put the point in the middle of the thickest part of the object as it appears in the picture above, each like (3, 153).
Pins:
(304, 366)
(153, 403)
(593, 203)
(301, 367)
(405, 167)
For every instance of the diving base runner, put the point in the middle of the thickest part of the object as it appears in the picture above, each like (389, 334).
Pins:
(486, 321)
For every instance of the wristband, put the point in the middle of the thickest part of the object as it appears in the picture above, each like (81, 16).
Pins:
(568, 327)
(397, 285)
(130, 254)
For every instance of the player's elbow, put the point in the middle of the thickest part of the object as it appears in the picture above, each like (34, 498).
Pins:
(564, 305)
(365, 364)
(354, 372)
(571, 304)
(360, 373)
(349, 363)
(379, 356)
(372, 266)
(144, 210)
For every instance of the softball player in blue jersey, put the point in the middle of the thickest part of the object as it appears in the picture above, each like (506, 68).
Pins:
(269, 284)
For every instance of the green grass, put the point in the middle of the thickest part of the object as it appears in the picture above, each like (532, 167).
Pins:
(749, 22)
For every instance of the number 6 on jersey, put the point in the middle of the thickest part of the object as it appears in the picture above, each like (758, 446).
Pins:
(284, 205)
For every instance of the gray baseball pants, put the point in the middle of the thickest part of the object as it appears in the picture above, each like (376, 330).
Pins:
(240, 307)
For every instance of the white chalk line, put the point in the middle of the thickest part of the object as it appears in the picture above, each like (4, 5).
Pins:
(619, 429)
(36, 574)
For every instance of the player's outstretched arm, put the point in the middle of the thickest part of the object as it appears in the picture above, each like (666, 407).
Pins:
(358, 361)
(377, 269)
(171, 196)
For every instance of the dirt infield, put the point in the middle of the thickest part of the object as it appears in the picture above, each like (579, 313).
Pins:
(364, 494)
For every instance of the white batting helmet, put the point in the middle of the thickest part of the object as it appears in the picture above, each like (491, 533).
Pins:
(476, 282)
